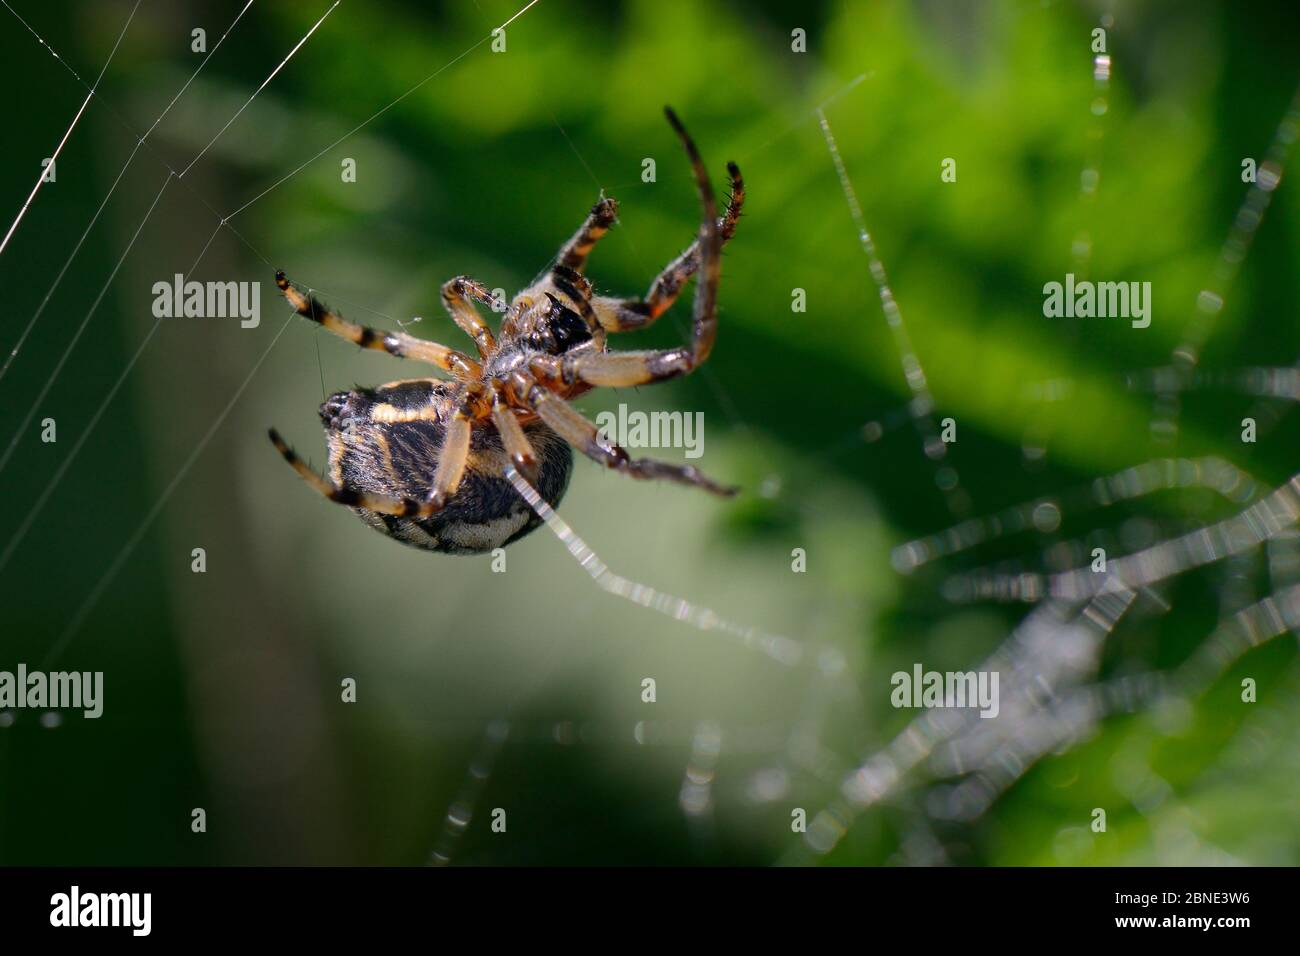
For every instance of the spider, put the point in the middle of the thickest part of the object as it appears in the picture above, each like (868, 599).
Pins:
(424, 460)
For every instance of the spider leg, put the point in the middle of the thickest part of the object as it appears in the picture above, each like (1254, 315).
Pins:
(454, 292)
(401, 507)
(451, 461)
(612, 369)
(621, 369)
(624, 315)
(573, 427)
(512, 434)
(394, 343)
(573, 254)
(635, 368)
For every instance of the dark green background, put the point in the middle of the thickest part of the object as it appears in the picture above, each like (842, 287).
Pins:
(222, 689)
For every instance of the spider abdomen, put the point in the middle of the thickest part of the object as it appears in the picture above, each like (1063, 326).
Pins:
(387, 441)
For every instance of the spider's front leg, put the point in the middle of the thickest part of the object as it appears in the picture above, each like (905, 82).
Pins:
(394, 343)
(573, 254)
(454, 299)
(573, 427)
(638, 368)
(626, 315)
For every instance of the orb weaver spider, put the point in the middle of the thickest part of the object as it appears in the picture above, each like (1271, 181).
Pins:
(424, 460)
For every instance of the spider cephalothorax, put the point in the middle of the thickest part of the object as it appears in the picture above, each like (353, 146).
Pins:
(424, 460)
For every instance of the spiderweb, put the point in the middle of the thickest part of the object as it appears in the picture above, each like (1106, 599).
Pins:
(826, 751)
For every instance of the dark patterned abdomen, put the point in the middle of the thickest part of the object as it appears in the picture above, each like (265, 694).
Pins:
(376, 445)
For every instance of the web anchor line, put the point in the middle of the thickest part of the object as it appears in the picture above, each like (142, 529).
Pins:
(265, 82)
(40, 180)
(75, 338)
(87, 605)
(1210, 300)
(140, 141)
(781, 649)
(922, 404)
(30, 518)
(461, 812)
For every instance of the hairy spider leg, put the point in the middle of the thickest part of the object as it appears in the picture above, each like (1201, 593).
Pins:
(626, 315)
(573, 254)
(573, 427)
(517, 445)
(394, 343)
(637, 368)
(454, 298)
